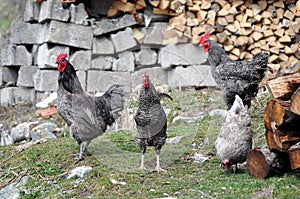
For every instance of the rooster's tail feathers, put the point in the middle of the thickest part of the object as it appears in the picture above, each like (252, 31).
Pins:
(115, 96)
(162, 95)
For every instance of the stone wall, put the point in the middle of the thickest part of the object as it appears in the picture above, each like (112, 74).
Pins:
(103, 52)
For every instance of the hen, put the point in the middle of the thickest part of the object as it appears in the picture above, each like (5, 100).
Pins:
(235, 136)
(235, 77)
(151, 120)
(87, 116)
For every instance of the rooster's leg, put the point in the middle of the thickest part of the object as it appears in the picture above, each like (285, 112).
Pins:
(235, 168)
(143, 161)
(158, 168)
(80, 156)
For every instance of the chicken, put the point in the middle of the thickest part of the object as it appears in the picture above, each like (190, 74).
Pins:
(87, 116)
(235, 136)
(235, 77)
(151, 120)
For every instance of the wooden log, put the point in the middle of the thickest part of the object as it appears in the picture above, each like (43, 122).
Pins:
(295, 100)
(294, 154)
(263, 163)
(282, 129)
(284, 86)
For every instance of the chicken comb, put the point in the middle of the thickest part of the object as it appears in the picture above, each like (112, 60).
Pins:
(145, 74)
(61, 56)
(203, 38)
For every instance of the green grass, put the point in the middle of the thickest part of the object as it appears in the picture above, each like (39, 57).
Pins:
(116, 155)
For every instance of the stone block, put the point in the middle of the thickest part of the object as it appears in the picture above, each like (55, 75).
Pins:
(70, 34)
(81, 60)
(25, 76)
(195, 75)
(46, 55)
(123, 40)
(154, 34)
(103, 62)
(181, 54)
(102, 46)
(157, 75)
(13, 55)
(53, 10)
(78, 14)
(32, 11)
(105, 26)
(24, 33)
(100, 81)
(125, 62)
(45, 80)
(146, 56)
(82, 78)
(17, 95)
(9, 75)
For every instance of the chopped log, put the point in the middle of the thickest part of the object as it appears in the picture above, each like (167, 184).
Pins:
(164, 4)
(155, 3)
(284, 86)
(263, 163)
(125, 7)
(112, 12)
(282, 129)
(295, 101)
(294, 154)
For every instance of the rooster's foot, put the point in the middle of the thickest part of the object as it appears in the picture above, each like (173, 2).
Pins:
(160, 170)
(78, 160)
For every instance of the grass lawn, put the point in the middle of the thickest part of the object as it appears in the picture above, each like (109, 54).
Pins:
(116, 156)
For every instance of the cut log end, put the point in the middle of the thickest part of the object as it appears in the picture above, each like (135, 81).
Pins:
(257, 165)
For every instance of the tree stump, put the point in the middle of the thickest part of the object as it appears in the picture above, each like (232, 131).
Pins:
(263, 163)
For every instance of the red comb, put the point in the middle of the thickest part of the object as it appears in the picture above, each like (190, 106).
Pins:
(203, 38)
(61, 56)
(145, 74)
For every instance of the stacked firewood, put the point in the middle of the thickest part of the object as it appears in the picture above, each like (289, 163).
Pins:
(281, 118)
(243, 28)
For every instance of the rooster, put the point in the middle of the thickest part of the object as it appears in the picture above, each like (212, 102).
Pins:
(234, 77)
(87, 116)
(151, 120)
(235, 136)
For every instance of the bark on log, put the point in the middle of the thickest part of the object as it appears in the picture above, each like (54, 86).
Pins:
(263, 163)
(295, 102)
(294, 154)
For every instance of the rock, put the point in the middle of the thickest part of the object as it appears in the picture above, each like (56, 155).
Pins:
(125, 62)
(24, 33)
(70, 34)
(154, 34)
(81, 60)
(6, 139)
(45, 103)
(9, 75)
(78, 14)
(80, 172)
(102, 46)
(43, 131)
(16, 95)
(53, 10)
(218, 112)
(82, 78)
(12, 191)
(105, 26)
(146, 56)
(174, 140)
(157, 75)
(102, 80)
(13, 55)
(199, 76)
(22, 131)
(103, 62)
(181, 54)
(32, 11)
(198, 158)
(42, 82)
(25, 75)
(46, 55)
(123, 40)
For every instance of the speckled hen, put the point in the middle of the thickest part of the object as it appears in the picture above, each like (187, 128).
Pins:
(151, 120)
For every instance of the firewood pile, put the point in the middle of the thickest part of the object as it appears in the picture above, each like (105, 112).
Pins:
(281, 118)
(244, 28)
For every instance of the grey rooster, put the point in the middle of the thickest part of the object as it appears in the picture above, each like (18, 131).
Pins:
(151, 120)
(88, 116)
(235, 77)
(235, 136)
